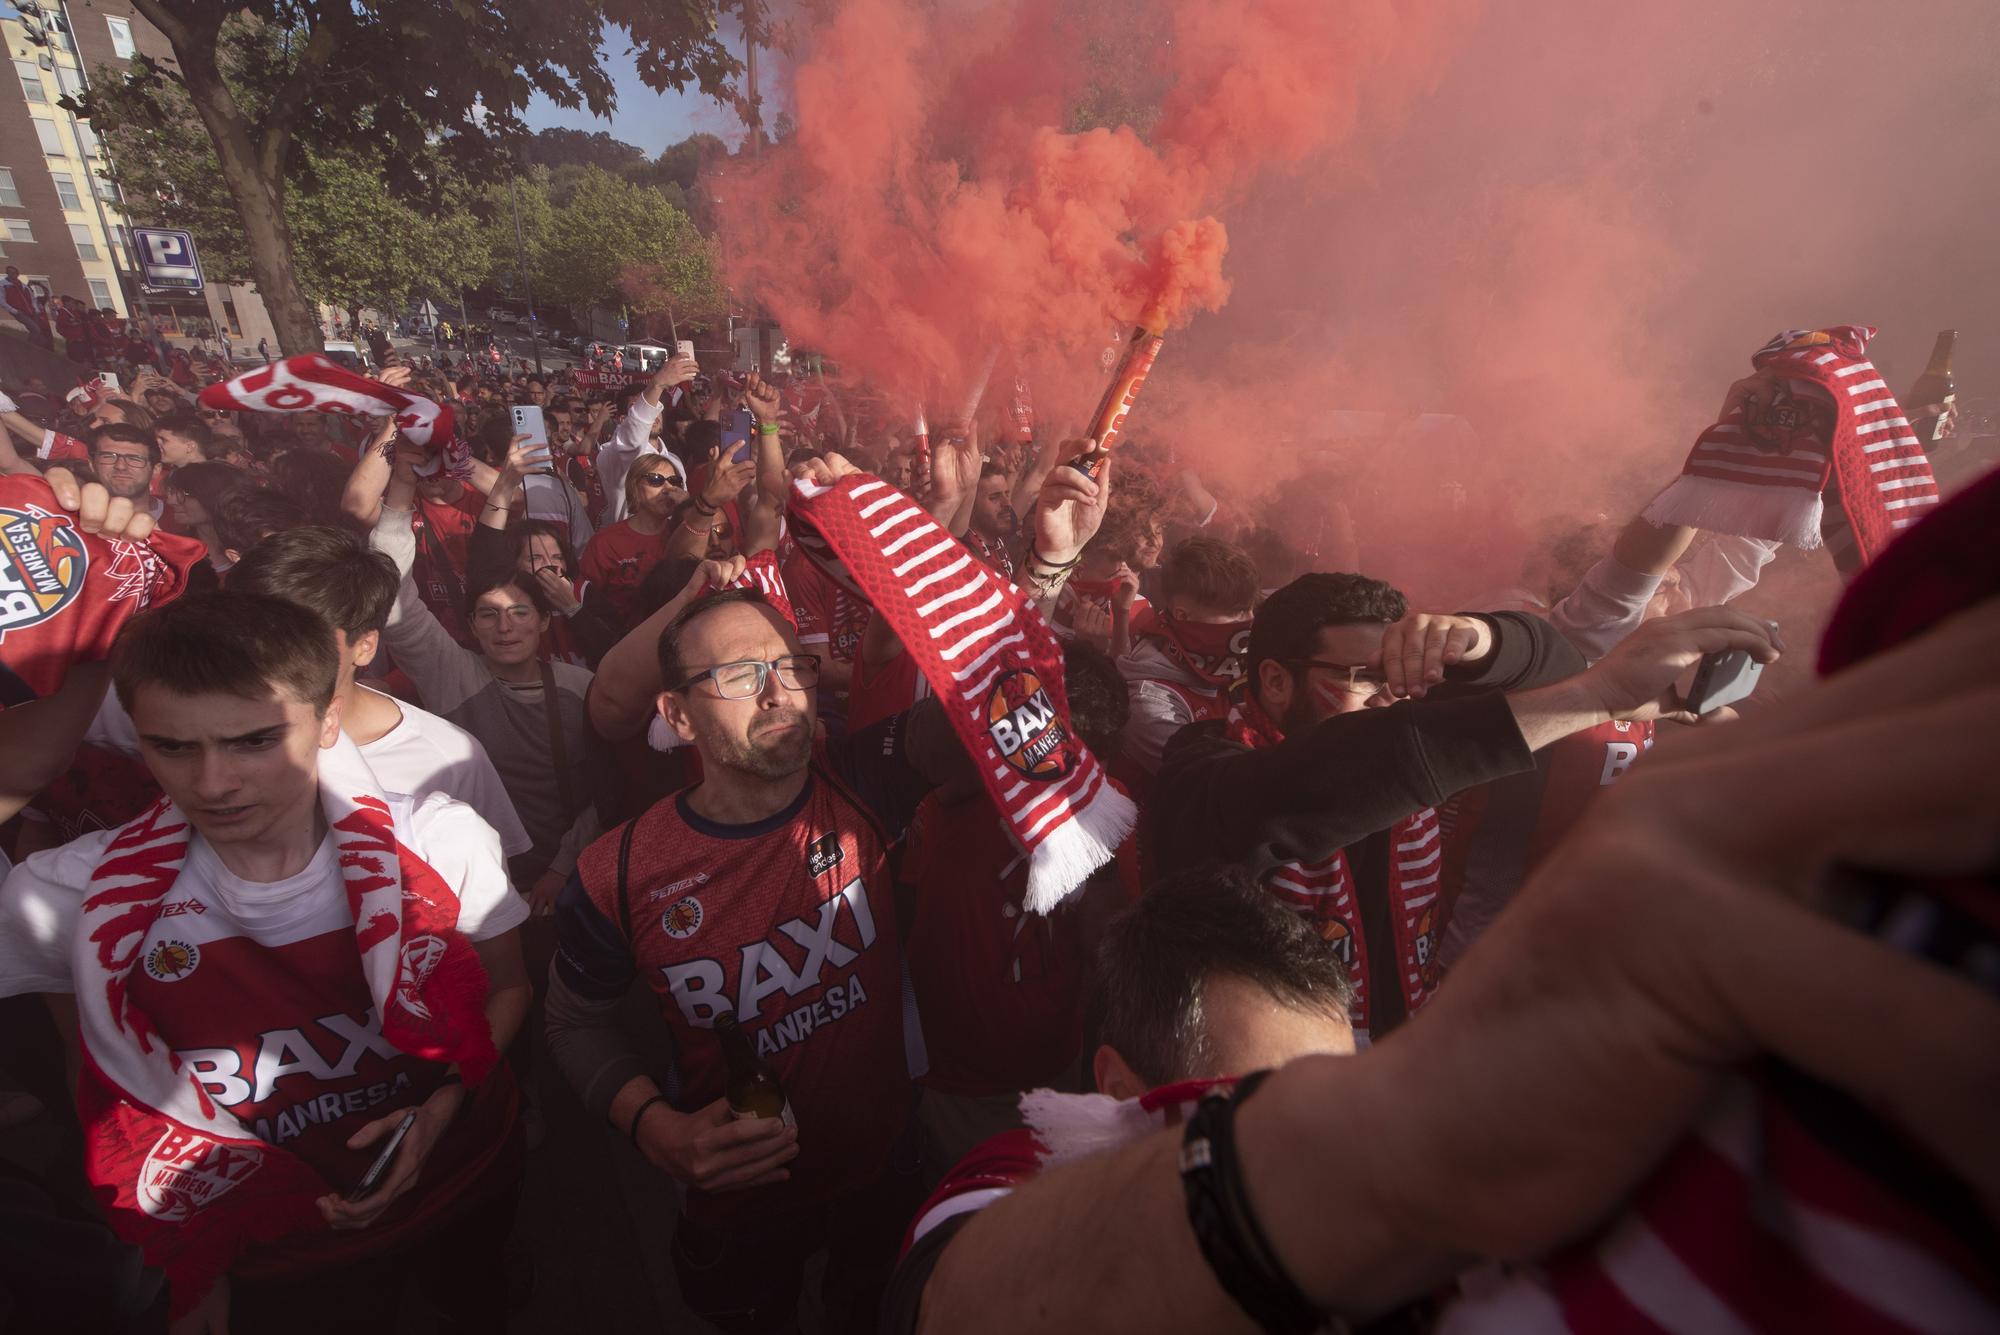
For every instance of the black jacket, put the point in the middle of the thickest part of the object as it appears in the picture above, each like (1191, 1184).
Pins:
(1343, 782)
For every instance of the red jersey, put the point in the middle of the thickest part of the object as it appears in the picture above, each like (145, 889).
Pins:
(881, 691)
(829, 615)
(790, 923)
(618, 558)
(443, 529)
(1000, 989)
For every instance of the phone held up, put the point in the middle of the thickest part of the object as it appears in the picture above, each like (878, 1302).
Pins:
(736, 429)
(529, 422)
(378, 1170)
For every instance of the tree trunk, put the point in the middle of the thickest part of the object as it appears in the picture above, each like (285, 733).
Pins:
(260, 200)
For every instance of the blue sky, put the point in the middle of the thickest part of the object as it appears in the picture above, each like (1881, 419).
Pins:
(644, 118)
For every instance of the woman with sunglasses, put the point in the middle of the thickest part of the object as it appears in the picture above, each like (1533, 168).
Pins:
(620, 554)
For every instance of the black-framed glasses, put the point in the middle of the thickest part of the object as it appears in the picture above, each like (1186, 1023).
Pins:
(741, 681)
(1349, 677)
(659, 479)
(122, 460)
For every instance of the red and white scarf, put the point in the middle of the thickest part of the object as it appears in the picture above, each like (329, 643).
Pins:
(313, 384)
(995, 665)
(1834, 423)
(1323, 892)
(1210, 651)
(762, 573)
(179, 1177)
(64, 593)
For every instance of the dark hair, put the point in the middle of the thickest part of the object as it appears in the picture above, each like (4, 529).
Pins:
(662, 584)
(131, 435)
(673, 668)
(207, 482)
(992, 468)
(508, 579)
(1290, 620)
(701, 442)
(186, 422)
(1099, 699)
(245, 515)
(541, 528)
(493, 437)
(1210, 573)
(135, 414)
(1158, 956)
(329, 570)
(228, 644)
(315, 479)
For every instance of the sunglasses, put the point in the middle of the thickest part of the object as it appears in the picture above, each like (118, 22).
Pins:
(659, 479)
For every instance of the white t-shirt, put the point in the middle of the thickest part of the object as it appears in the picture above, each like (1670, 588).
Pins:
(427, 754)
(421, 755)
(42, 898)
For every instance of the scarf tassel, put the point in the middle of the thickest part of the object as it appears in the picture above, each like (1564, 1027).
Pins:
(1776, 514)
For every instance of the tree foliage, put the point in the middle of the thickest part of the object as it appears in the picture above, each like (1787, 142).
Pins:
(612, 243)
(357, 243)
(400, 84)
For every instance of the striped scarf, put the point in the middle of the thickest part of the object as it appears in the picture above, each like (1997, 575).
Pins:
(993, 662)
(1323, 893)
(179, 1176)
(1832, 431)
(313, 384)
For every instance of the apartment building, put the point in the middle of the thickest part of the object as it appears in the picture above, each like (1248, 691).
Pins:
(62, 221)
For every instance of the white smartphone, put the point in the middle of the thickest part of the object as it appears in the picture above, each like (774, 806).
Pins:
(529, 422)
(684, 347)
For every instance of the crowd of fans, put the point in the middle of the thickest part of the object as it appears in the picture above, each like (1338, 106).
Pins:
(635, 736)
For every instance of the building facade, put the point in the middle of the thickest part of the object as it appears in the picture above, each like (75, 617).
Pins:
(62, 221)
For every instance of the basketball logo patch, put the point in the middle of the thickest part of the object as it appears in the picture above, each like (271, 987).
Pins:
(1025, 727)
(682, 918)
(42, 566)
(171, 961)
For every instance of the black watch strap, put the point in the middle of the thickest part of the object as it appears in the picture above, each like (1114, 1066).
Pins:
(1225, 1228)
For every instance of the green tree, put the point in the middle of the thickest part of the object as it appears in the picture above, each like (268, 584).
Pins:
(356, 243)
(406, 79)
(615, 242)
(557, 146)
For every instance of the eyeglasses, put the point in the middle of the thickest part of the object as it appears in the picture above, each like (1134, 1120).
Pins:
(1347, 676)
(123, 460)
(659, 479)
(518, 613)
(740, 681)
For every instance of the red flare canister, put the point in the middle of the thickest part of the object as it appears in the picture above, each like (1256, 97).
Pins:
(1107, 424)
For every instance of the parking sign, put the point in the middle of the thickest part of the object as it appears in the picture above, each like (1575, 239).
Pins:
(167, 261)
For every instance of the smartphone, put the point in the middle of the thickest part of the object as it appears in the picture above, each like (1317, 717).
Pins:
(1723, 678)
(380, 1168)
(736, 428)
(109, 380)
(684, 347)
(529, 422)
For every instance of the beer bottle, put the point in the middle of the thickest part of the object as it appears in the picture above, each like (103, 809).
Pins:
(749, 1083)
(1932, 395)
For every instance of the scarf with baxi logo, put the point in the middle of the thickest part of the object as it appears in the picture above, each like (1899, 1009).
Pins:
(993, 663)
(64, 593)
(1831, 429)
(178, 1175)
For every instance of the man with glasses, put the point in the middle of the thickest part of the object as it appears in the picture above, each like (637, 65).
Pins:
(763, 891)
(1360, 718)
(126, 457)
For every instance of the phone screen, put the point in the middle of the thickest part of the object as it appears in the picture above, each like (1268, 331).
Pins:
(736, 429)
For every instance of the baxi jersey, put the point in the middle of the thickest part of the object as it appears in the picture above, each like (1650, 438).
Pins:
(789, 922)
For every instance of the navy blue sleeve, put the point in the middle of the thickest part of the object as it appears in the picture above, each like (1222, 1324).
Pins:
(875, 762)
(591, 955)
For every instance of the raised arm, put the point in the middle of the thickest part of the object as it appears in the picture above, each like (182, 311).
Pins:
(628, 679)
(365, 485)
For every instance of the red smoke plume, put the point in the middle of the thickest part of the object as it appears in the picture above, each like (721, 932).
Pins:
(931, 207)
